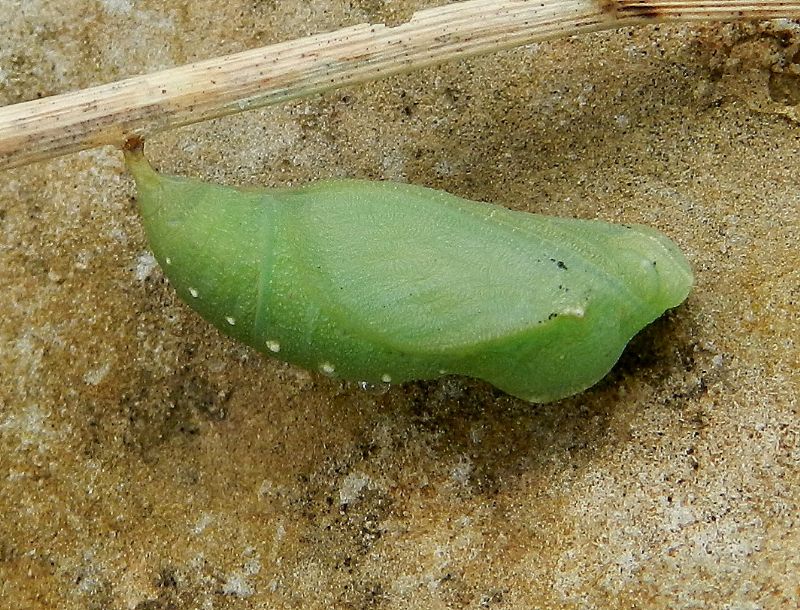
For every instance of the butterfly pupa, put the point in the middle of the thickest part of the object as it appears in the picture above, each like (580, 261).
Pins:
(383, 282)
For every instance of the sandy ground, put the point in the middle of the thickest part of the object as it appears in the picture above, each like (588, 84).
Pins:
(150, 463)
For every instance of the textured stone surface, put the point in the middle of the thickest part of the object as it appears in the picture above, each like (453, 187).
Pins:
(149, 463)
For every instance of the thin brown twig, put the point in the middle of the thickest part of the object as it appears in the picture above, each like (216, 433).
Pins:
(144, 105)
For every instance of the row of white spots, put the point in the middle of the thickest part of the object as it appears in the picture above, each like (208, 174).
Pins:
(275, 346)
(329, 369)
(272, 346)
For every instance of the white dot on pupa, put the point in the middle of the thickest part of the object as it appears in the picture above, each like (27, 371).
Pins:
(575, 312)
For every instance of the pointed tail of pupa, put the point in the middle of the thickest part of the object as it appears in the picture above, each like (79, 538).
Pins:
(137, 163)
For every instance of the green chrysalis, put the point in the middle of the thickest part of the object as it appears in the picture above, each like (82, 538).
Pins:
(384, 282)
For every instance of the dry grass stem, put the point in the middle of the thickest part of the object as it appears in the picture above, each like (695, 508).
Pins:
(144, 105)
